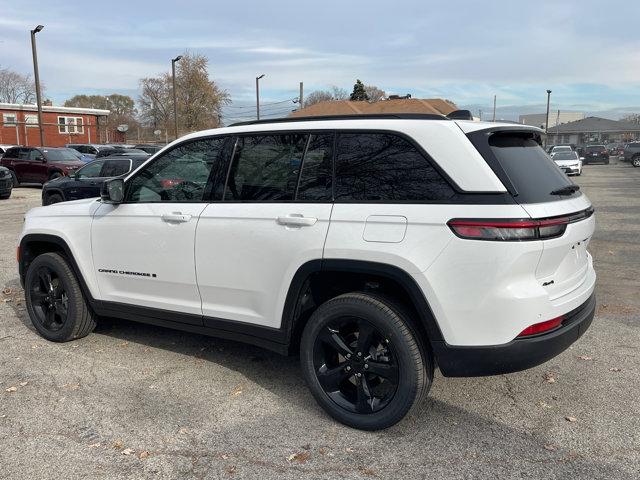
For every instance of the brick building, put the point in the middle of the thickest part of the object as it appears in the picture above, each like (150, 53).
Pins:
(61, 125)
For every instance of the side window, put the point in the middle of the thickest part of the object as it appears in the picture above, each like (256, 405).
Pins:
(266, 167)
(115, 168)
(13, 153)
(383, 167)
(317, 170)
(91, 170)
(34, 154)
(180, 175)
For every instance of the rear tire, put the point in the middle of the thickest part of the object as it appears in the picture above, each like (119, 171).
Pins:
(363, 362)
(56, 305)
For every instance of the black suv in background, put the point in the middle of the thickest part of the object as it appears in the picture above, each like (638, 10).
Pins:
(86, 182)
(595, 154)
(632, 153)
(111, 149)
(6, 183)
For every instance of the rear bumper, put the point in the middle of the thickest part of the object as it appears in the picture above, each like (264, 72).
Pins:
(516, 355)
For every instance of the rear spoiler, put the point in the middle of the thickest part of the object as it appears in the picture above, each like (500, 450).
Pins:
(460, 115)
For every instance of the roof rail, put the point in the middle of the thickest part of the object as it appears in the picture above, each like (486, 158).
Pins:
(364, 116)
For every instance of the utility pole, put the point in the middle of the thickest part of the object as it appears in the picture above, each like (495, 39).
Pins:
(258, 96)
(36, 76)
(301, 97)
(480, 113)
(546, 123)
(175, 101)
(494, 108)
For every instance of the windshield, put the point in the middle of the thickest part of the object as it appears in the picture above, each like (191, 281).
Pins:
(60, 155)
(565, 156)
(561, 149)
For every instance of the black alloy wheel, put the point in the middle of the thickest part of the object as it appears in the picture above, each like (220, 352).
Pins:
(54, 299)
(364, 361)
(49, 299)
(355, 365)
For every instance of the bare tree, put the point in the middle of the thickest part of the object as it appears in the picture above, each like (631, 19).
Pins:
(632, 118)
(374, 93)
(16, 88)
(200, 100)
(334, 93)
(156, 102)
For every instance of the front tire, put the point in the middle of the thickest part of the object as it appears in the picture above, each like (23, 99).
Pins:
(54, 198)
(636, 161)
(58, 310)
(14, 179)
(363, 362)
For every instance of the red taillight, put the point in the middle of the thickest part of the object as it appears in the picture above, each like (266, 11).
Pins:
(509, 229)
(542, 327)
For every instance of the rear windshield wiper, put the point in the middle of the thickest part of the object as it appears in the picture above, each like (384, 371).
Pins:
(568, 190)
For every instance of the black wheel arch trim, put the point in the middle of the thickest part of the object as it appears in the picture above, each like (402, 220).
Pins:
(362, 267)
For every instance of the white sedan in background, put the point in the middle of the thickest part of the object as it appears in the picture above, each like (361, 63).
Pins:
(569, 162)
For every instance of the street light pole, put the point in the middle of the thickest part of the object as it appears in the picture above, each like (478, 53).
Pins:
(175, 102)
(258, 96)
(36, 76)
(546, 123)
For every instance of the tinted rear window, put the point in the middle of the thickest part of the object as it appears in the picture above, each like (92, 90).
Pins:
(62, 155)
(595, 149)
(565, 156)
(529, 169)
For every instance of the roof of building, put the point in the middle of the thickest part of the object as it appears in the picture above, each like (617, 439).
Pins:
(53, 109)
(404, 105)
(595, 124)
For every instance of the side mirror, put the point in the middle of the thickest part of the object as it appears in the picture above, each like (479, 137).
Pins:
(41, 159)
(112, 191)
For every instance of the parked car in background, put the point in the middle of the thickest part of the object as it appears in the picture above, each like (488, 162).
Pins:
(86, 148)
(39, 164)
(595, 154)
(631, 153)
(149, 148)
(569, 162)
(4, 148)
(86, 182)
(560, 148)
(6, 183)
(83, 157)
(111, 149)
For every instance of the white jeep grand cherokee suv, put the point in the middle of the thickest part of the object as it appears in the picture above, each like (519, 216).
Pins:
(378, 247)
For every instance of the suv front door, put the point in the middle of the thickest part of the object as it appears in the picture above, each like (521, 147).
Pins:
(36, 169)
(143, 248)
(272, 218)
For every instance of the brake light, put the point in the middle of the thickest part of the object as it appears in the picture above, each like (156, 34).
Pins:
(542, 327)
(509, 229)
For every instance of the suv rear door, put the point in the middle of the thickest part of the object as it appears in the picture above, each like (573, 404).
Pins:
(271, 217)
(143, 247)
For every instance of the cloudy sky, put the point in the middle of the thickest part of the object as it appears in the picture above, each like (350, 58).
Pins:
(587, 52)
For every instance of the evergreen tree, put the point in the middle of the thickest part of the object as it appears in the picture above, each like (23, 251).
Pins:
(359, 93)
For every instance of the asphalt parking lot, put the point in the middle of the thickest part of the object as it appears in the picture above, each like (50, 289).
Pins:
(136, 401)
